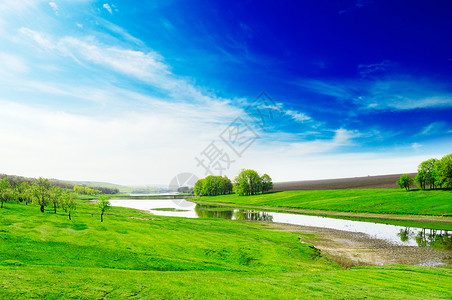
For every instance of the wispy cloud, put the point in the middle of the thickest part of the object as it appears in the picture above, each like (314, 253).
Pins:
(14, 7)
(40, 38)
(110, 142)
(433, 128)
(357, 5)
(54, 6)
(120, 31)
(416, 146)
(297, 116)
(406, 94)
(402, 93)
(108, 8)
(148, 67)
(337, 90)
(371, 69)
(342, 137)
(10, 64)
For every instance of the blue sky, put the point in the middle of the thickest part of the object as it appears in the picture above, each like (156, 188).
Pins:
(135, 92)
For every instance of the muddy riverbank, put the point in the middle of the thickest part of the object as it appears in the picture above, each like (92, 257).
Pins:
(357, 249)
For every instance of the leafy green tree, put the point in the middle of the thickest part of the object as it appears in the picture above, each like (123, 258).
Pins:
(425, 173)
(69, 203)
(248, 182)
(25, 191)
(267, 183)
(226, 185)
(79, 189)
(213, 186)
(420, 180)
(41, 192)
(6, 191)
(103, 205)
(446, 170)
(199, 187)
(438, 174)
(405, 181)
(55, 198)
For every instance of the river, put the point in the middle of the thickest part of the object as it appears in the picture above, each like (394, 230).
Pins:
(396, 235)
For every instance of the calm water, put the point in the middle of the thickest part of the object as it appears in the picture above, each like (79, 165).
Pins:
(394, 234)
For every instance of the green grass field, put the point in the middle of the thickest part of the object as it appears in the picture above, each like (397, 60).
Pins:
(136, 255)
(381, 201)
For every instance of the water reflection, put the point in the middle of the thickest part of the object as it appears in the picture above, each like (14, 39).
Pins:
(213, 211)
(416, 237)
(253, 216)
(437, 239)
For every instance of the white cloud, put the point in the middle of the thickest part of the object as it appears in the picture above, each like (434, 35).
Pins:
(402, 93)
(151, 139)
(290, 144)
(10, 63)
(41, 39)
(14, 7)
(108, 7)
(121, 32)
(416, 146)
(366, 70)
(298, 116)
(337, 90)
(131, 147)
(432, 128)
(54, 6)
(148, 67)
(291, 166)
(406, 95)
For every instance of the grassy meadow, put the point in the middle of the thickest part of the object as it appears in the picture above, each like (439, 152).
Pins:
(380, 201)
(136, 255)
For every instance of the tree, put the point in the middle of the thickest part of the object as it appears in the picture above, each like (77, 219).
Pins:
(69, 203)
(425, 173)
(41, 192)
(25, 191)
(79, 189)
(55, 197)
(226, 185)
(446, 170)
(103, 205)
(267, 183)
(438, 174)
(6, 191)
(213, 186)
(405, 181)
(248, 182)
(199, 187)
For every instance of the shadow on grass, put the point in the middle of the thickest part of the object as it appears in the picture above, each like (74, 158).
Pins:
(429, 190)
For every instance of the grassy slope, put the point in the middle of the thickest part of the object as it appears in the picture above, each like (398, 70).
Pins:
(382, 201)
(133, 254)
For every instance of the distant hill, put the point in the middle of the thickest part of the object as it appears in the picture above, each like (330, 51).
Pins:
(368, 182)
(122, 188)
(69, 184)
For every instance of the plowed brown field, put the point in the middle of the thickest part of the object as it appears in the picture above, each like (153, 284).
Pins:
(368, 182)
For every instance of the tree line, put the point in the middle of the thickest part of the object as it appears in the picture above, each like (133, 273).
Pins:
(213, 186)
(247, 182)
(13, 180)
(433, 173)
(42, 193)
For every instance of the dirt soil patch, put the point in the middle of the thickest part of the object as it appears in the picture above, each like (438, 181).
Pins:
(356, 249)
(368, 182)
